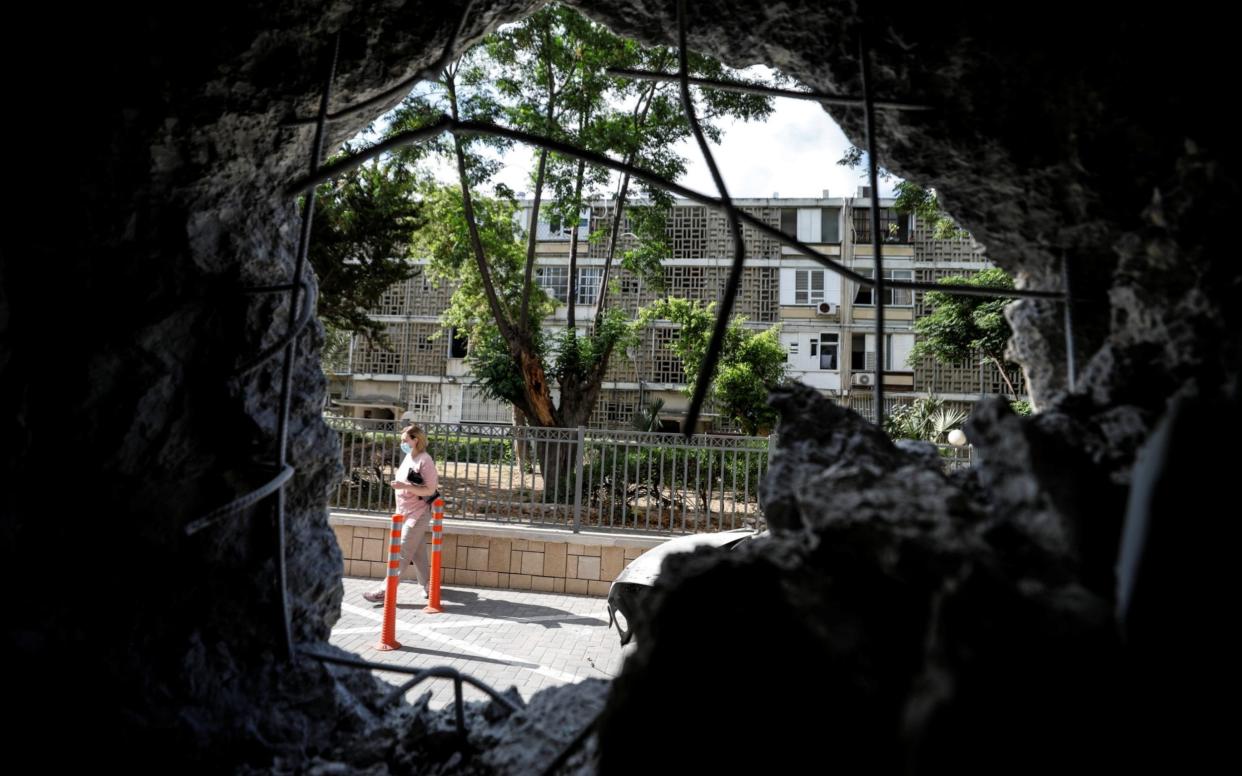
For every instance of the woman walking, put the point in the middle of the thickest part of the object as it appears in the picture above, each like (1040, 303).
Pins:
(416, 485)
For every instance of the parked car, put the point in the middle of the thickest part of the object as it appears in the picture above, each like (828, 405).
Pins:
(627, 598)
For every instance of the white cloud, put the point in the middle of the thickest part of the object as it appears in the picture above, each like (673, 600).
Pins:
(794, 152)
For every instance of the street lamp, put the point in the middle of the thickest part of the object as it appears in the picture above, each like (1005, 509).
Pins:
(957, 438)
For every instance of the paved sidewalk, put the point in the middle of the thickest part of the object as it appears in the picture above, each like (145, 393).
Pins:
(501, 637)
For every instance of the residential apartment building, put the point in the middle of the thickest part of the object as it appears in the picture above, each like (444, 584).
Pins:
(827, 324)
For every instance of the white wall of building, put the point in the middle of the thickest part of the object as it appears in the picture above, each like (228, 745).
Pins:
(788, 282)
(803, 348)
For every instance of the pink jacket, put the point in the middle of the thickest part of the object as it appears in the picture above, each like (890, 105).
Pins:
(408, 503)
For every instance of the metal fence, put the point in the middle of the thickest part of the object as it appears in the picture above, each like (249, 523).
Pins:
(574, 477)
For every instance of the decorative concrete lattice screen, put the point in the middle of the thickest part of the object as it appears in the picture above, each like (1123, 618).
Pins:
(416, 349)
(422, 399)
(652, 359)
(962, 377)
(758, 297)
(382, 358)
(477, 408)
(686, 232)
(965, 377)
(927, 248)
(720, 238)
(630, 292)
(693, 232)
(414, 296)
(614, 409)
(665, 365)
(625, 368)
(721, 423)
(601, 224)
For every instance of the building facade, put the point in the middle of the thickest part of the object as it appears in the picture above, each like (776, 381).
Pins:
(827, 323)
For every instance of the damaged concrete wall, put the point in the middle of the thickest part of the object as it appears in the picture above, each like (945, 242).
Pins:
(152, 199)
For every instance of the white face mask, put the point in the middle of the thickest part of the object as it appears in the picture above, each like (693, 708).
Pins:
(405, 448)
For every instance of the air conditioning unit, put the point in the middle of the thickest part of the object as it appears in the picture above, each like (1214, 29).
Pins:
(825, 308)
(863, 378)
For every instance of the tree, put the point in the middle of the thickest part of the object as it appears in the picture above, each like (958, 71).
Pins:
(546, 75)
(564, 92)
(961, 327)
(361, 237)
(928, 419)
(751, 363)
(911, 198)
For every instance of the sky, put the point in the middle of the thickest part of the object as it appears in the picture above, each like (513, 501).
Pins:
(792, 154)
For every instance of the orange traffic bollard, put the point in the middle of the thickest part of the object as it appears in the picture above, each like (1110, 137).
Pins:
(437, 535)
(388, 635)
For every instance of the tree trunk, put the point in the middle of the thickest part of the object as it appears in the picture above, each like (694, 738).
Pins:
(557, 464)
(578, 401)
(535, 386)
(573, 250)
(1000, 368)
(521, 448)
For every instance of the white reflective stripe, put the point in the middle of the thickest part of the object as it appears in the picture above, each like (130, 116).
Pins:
(435, 548)
(394, 572)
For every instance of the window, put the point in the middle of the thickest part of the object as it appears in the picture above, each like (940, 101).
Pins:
(896, 352)
(789, 221)
(554, 281)
(858, 353)
(588, 284)
(555, 229)
(894, 297)
(830, 225)
(812, 224)
(827, 350)
(459, 345)
(793, 349)
(894, 226)
(809, 286)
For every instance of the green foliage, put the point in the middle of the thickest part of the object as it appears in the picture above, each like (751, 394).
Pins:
(959, 327)
(334, 354)
(492, 363)
(924, 203)
(928, 419)
(911, 198)
(648, 418)
(580, 355)
(751, 363)
(470, 450)
(446, 242)
(1021, 407)
(646, 259)
(361, 235)
(613, 473)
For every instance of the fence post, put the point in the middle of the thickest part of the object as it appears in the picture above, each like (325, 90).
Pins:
(578, 456)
